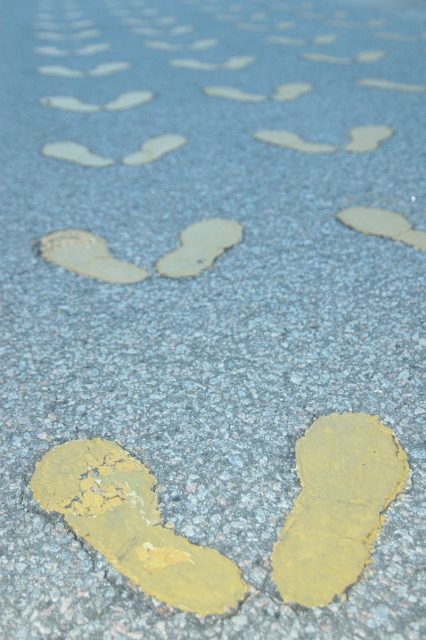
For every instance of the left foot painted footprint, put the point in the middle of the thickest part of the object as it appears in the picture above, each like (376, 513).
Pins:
(351, 468)
(106, 496)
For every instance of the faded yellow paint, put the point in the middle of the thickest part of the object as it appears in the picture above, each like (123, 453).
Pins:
(202, 45)
(123, 101)
(108, 68)
(351, 467)
(75, 152)
(201, 244)
(323, 57)
(230, 93)
(380, 83)
(60, 70)
(291, 91)
(293, 141)
(381, 222)
(367, 138)
(88, 255)
(106, 496)
(366, 57)
(325, 39)
(292, 42)
(154, 149)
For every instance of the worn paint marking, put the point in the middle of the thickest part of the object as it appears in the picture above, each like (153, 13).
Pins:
(88, 255)
(201, 244)
(384, 223)
(231, 93)
(291, 91)
(368, 138)
(351, 467)
(106, 496)
(75, 152)
(379, 83)
(154, 149)
(282, 138)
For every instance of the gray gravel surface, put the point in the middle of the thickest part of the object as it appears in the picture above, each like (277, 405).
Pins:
(210, 381)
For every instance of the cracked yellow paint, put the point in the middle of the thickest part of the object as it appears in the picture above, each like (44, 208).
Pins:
(230, 93)
(367, 57)
(75, 152)
(367, 138)
(378, 83)
(351, 467)
(88, 255)
(291, 91)
(323, 57)
(290, 140)
(201, 244)
(381, 222)
(106, 496)
(154, 149)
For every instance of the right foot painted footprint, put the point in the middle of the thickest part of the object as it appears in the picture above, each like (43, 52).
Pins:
(384, 223)
(283, 93)
(201, 244)
(351, 468)
(88, 255)
(106, 496)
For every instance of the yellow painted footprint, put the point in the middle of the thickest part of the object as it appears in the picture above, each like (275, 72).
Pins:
(88, 255)
(363, 139)
(128, 100)
(150, 151)
(201, 244)
(384, 223)
(351, 467)
(283, 93)
(106, 496)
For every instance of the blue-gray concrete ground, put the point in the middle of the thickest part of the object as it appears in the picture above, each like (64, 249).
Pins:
(210, 381)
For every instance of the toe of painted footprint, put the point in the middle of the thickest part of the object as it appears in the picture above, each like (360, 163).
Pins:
(201, 244)
(106, 496)
(88, 255)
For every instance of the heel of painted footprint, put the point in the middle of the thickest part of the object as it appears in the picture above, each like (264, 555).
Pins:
(351, 467)
(88, 255)
(384, 223)
(106, 496)
(201, 244)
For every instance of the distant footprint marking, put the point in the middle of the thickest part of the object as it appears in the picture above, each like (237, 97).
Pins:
(376, 83)
(154, 149)
(75, 152)
(123, 101)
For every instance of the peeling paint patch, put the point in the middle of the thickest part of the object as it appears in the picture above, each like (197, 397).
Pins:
(201, 244)
(368, 138)
(154, 149)
(351, 468)
(106, 496)
(384, 223)
(379, 83)
(88, 255)
(282, 138)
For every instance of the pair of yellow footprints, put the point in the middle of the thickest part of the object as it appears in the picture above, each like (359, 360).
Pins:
(88, 255)
(350, 466)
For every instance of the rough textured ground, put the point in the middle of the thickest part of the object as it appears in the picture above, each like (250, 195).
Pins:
(210, 381)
